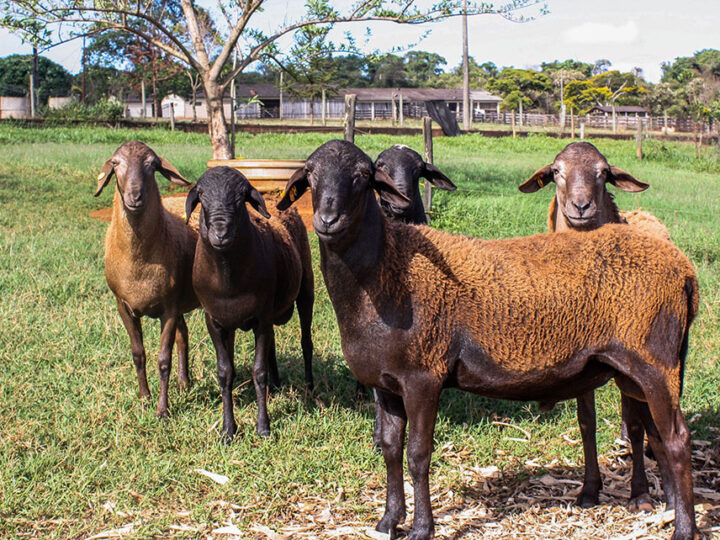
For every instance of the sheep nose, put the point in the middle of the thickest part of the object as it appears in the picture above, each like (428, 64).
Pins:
(328, 220)
(581, 208)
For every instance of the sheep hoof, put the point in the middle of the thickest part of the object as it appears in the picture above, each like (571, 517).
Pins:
(641, 503)
(184, 385)
(163, 413)
(387, 525)
(263, 431)
(420, 535)
(586, 500)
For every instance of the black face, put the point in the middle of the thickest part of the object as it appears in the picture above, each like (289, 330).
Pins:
(405, 167)
(341, 178)
(223, 192)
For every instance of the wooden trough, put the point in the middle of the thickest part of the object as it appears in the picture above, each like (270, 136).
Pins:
(268, 176)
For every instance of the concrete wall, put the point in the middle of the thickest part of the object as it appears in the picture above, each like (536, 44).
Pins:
(14, 107)
(59, 102)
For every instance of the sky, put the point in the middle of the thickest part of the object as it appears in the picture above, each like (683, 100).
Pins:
(629, 33)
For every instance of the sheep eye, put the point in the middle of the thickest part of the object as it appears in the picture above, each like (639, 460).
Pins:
(555, 171)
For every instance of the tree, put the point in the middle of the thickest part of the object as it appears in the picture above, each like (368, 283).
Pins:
(189, 43)
(422, 67)
(567, 65)
(521, 87)
(54, 80)
(601, 66)
(607, 89)
(387, 71)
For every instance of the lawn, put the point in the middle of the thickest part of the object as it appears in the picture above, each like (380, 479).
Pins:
(80, 456)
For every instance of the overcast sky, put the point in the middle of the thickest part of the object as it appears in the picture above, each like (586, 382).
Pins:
(629, 33)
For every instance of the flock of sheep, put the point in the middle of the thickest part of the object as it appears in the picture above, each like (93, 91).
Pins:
(542, 318)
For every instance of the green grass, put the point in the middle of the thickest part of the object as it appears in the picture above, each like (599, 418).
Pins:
(75, 438)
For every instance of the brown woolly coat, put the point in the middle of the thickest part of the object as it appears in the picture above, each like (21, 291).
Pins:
(283, 246)
(511, 311)
(148, 265)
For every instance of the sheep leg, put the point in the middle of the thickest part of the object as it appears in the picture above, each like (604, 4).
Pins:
(305, 308)
(133, 326)
(589, 495)
(167, 336)
(224, 341)
(263, 342)
(656, 443)
(182, 344)
(392, 436)
(421, 405)
(273, 373)
(640, 500)
(675, 441)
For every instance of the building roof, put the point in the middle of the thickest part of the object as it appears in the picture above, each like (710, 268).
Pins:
(620, 109)
(418, 94)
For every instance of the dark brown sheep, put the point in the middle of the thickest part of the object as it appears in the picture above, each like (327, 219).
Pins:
(148, 260)
(582, 203)
(548, 317)
(405, 166)
(250, 268)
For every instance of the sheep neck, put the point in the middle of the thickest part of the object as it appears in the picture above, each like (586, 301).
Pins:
(360, 262)
(138, 232)
(238, 262)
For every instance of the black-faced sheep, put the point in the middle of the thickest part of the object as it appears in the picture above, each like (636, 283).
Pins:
(405, 166)
(582, 203)
(250, 268)
(541, 318)
(148, 260)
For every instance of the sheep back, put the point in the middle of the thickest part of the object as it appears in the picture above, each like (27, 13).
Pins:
(646, 222)
(529, 303)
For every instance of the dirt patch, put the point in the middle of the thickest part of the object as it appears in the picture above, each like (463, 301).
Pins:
(175, 204)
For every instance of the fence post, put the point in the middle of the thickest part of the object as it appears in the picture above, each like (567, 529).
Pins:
(427, 190)
(324, 106)
(172, 116)
(400, 108)
(350, 117)
(638, 140)
(582, 130)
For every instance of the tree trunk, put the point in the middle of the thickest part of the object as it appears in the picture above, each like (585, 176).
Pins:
(312, 111)
(156, 103)
(614, 119)
(217, 125)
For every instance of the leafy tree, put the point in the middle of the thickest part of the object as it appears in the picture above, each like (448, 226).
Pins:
(387, 71)
(54, 80)
(521, 87)
(567, 65)
(601, 66)
(351, 71)
(422, 67)
(188, 43)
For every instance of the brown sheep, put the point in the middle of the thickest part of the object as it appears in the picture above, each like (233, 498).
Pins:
(250, 268)
(581, 203)
(148, 261)
(547, 317)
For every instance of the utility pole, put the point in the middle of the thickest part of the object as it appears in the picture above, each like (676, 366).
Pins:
(34, 83)
(82, 84)
(467, 113)
(280, 107)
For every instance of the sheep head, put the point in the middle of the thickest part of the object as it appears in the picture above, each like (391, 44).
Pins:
(134, 165)
(405, 166)
(342, 179)
(580, 173)
(223, 192)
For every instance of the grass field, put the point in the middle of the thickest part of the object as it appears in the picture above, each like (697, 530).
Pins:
(79, 456)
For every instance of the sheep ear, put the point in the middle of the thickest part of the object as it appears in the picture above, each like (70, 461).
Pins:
(383, 184)
(437, 178)
(104, 177)
(625, 180)
(539, 179)
(171, 173)
(192, 200)
(295, 187)
(257, 202)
